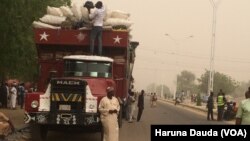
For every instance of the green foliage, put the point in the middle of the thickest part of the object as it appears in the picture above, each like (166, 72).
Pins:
(241, 89)
(18, 56)
(158, 89)
(198, 102)
(221, 81)
(186, 82)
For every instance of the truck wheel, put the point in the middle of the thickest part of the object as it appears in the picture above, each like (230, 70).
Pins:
(120, 117)
(38, 132)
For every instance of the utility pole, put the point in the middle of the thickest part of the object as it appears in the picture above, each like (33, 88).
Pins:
(214, 4)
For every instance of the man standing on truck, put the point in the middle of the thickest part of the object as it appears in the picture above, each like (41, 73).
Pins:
(109, 108)
(97, 18)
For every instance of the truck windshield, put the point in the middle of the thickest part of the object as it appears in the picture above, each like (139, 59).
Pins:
(87, 68)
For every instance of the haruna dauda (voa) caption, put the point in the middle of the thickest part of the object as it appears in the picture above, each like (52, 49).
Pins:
(202, 131)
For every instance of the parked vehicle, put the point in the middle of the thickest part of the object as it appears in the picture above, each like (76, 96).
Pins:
(71, 83)
(230, 110)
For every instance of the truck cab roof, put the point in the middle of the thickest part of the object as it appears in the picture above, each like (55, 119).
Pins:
(89, 58)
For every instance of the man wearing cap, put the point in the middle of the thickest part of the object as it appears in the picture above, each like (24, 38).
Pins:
(109, 108)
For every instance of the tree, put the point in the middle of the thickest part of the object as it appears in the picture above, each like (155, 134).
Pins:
(163, 90)
(18, 57)
(186, 82)
(221, 81)
(151, 87)
(158, 89)
(198, 101)
(241, 89)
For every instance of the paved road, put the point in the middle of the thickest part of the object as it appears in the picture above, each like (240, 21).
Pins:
(165, 113)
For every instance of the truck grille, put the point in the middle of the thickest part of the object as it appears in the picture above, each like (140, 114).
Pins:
(66, 97)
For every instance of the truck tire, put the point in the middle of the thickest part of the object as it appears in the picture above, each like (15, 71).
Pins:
(120, 117)
(38, 132)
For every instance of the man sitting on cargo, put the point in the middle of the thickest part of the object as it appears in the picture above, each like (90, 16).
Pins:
(97, 18)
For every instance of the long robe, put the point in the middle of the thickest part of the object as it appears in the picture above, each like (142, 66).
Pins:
(109, 121)
(13, 97)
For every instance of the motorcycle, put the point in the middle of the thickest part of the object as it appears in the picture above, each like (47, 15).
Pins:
(229, 111)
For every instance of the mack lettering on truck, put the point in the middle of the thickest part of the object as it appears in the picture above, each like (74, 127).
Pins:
(63, 82)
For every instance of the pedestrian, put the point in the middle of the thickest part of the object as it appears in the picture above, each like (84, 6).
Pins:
(210, 106)
(221, 101)
(177, 100)
(97, 18)
(13, 96)
(4, 93)
(154, 99)
(109, 108)
(140, 105)
(131, 105)
(6, 126)
(21, 91)
(151, 100)
(243, 112)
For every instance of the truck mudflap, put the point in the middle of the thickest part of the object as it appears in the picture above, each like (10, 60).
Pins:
(63, 118)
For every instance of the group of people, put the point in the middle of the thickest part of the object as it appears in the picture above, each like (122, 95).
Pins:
(242, 113)
(11, 95)
(221, 103)
(130, 105)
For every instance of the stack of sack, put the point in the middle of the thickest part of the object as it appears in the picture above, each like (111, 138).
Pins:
(117, 19)
(76, 17)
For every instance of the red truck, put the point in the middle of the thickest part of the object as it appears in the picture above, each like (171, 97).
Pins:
(71, 81)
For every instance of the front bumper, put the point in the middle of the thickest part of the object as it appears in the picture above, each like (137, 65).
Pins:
(63, 118)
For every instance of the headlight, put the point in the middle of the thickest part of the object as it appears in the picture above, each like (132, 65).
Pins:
(91, 106)
(34, 104)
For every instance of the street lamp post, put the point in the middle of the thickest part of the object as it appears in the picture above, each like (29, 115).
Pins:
(177, 44)
(211, 72)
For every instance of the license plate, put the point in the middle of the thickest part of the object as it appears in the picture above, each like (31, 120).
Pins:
(65, 107)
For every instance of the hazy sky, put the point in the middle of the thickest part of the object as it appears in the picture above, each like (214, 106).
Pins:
(160, 57)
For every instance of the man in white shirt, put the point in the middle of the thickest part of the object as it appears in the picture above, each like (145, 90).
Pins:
(13, 96)
(97, 18)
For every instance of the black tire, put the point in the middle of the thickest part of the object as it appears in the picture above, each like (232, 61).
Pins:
(38, 132)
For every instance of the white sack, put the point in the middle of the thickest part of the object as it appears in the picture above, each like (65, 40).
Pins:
(54, 11)
(66, 11)
(108, 15)
(116, 21)
(38, 24)
(85, 14)
(54, 20)
(119, 14)
(76, 9)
